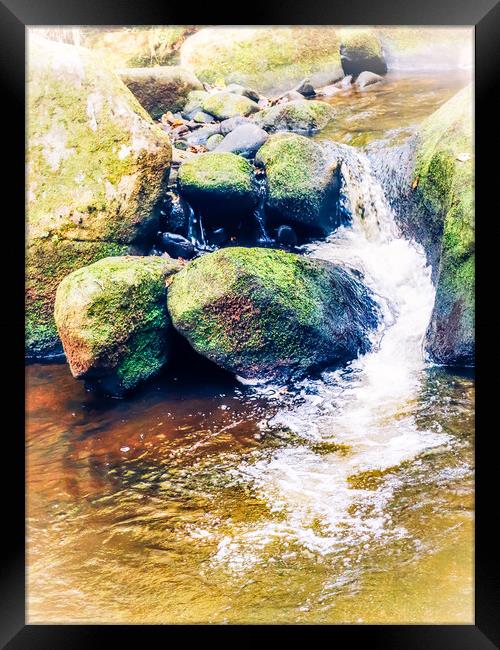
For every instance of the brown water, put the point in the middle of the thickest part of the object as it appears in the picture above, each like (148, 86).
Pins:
(348, 498)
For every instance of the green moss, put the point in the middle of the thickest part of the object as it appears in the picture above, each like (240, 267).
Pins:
(112, 319)
(361, 43)
(444, 181)
(262, 312)
(225, 105)
(303, 116)
(301, 183)
(269, 59)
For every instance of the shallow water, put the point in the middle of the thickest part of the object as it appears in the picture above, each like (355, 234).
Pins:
(346, 498)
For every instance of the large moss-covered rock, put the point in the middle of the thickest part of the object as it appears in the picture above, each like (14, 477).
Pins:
(113, 321)
(96, 166)
(225, 105)
(303, 184)
(444, 193)
(220, 185)
(361, 50)
(125, 47)
(161, 89)
(267, 59)
(267, 314)
(300, 115)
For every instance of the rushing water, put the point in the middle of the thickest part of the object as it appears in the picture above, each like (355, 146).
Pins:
(346, 498)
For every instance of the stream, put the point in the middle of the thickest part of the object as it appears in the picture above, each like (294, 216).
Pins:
(347, 497)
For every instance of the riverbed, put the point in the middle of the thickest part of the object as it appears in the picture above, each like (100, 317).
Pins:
(346, 498)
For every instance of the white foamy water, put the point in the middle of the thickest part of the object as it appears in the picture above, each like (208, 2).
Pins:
(366, 407)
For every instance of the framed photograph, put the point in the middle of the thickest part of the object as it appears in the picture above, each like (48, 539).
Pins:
(247, 268)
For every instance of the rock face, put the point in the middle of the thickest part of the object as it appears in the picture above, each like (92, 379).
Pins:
(225, 105)
(113, 321)
(302, 184)
(366, 79)
(267, 314)
(160, 89)
(361, 50)
(444, 178)
(267, 59)
(96, 167)
(244, 140)
(220, 185)
(301, 116)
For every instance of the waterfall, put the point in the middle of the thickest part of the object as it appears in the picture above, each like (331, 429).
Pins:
(365, 407)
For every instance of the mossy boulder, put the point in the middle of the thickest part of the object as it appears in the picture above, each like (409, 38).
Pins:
(113, 321)
(194, 102)
(300, 115)
(443, 182)
(302, 183)
(125, 47)
(96, 167)
(360, 51)
(269, 59)
(219, 185)
(161, 89)
(266, 314)
(225, 105)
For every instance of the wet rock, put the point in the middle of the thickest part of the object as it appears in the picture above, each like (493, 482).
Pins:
(220, 185)
(305, 88)
(226, 126)
(94, 175)
(237, 89)
(271, 315)
(286, 236)
(301, 116)
(113, 321)
(174, 214)
(214, 141)
(200, 136)
(361, 50)
(366, 79)
(244, 140)
(302, 183)
(176, 246)
(224, 105)
(160, 89)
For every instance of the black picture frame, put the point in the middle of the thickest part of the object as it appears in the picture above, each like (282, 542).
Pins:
(14, 16)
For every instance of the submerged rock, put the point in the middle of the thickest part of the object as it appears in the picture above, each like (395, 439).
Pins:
(368, 79)
(244, 140)
(361, 50)
(225, 105)
(267, 314)
(160, 89)
(96, 167)
(219, 185)
(268, 59)
(303, 116)
(113, 322)
(303, 185)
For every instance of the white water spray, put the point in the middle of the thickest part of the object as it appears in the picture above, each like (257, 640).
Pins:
(367, 406)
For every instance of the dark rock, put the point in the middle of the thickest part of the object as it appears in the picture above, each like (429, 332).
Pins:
(306, 88)
(244, 140)
(361, 50)
(176, 246)
(237, 89)
(218, 237)
(286, 236)
(174, 214)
